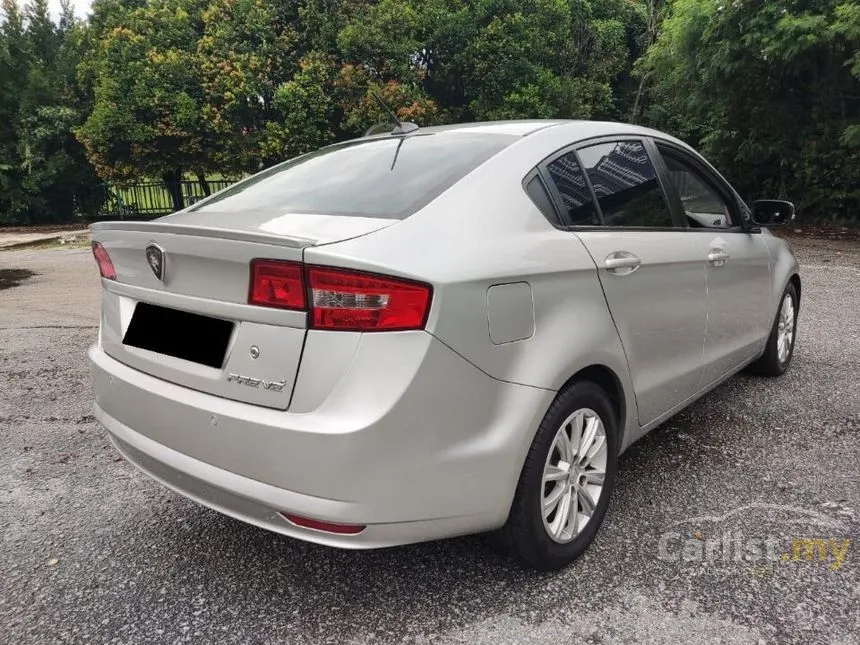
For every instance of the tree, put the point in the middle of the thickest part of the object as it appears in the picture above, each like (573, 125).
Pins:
(775, 103)
(44, 174)
(234, 85)
(245, 52)
(498, 59)
(147, 118)
(653, 17)
(13, 72)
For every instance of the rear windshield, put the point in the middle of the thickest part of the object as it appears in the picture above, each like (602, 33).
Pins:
(390, 178)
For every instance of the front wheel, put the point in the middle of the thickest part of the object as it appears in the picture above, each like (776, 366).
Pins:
(565, 484)
(780, 344)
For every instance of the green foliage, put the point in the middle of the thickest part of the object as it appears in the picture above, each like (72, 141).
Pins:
(775, 102)
(498, 59)
(244, 54)
(44, 173)
(147, 114)
(233, 85)
(167, 88)
(308, 110)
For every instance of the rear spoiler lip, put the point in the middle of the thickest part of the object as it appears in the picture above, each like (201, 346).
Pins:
(295, 242)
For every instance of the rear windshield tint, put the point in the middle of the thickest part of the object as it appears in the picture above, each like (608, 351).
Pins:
(390, 178)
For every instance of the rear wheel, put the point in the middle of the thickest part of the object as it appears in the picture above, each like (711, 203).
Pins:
(780, 344)
(565, 484)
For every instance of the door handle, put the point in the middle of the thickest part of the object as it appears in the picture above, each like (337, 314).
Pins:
(718, 257)
(622, 263)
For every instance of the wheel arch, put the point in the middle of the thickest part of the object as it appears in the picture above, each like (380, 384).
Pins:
(609, 382)
(795, 280)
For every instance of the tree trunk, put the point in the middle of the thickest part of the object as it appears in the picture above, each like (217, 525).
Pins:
(634, 114)
(650, 38)
(172, 181)
(204, 185)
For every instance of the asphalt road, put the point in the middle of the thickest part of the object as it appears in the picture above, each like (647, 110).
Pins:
(94, 552)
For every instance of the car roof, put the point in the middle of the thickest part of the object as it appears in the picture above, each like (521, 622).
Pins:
(575, 128)
(513, 127)
(550, 130)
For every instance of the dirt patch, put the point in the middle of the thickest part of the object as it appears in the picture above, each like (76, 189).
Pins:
(835, 250)
(13, 277)
(47, 228)
(820, 231)
(41, 245)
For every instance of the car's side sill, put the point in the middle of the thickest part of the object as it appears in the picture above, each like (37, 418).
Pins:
(643, 430)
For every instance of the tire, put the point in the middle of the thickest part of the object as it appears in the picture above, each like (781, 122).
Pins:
(528, 535)
(770, 363)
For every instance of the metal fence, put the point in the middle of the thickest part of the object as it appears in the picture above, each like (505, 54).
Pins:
(148, 200)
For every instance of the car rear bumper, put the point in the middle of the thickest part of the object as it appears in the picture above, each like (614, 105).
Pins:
(256, 503)
(408, 476)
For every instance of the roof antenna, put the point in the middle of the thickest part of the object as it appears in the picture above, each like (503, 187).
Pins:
(400, 127)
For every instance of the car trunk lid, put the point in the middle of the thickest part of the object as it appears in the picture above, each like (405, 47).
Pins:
(191, 325)
(289, 228)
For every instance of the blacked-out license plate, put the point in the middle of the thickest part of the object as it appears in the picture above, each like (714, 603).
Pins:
(192, 337)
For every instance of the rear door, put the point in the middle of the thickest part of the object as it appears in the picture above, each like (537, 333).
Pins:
(653, 281)
(738, 262)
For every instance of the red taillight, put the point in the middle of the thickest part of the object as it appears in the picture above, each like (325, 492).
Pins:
(319, 525)
(276, 283)
(340, 299)
(354, 301)
(103, 260)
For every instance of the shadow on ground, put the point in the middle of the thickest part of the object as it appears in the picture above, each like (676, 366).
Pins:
(13, 277)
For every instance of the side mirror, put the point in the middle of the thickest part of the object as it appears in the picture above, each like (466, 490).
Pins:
(772, 212)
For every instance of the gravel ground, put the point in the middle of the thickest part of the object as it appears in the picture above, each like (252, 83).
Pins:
(95, 552)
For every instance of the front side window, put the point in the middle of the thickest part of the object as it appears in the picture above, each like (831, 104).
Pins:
(575, 196)
(703, 206)
(626, 185)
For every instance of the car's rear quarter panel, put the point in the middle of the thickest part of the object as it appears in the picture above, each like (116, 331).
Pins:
(486, 231)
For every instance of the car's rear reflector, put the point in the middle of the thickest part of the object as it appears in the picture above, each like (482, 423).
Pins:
(106, 268)
(356, 301)
(319, 525)
(277, 283)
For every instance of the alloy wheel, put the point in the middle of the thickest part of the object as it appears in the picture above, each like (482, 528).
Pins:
(785, 329)
(573, 475)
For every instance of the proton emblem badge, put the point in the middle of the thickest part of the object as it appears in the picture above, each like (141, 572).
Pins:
(157, 259)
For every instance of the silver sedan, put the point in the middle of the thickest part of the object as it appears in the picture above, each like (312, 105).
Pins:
(436, 332)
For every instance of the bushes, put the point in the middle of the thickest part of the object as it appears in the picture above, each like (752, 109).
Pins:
(44, 173)
(770, 90)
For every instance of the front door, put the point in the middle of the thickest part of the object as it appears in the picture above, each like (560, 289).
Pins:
(654, 283)
(738, 265)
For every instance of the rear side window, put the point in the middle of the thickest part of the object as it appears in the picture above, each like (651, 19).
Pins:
(626, 185)
(390, 177)
(575, 196)
(537, 191)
